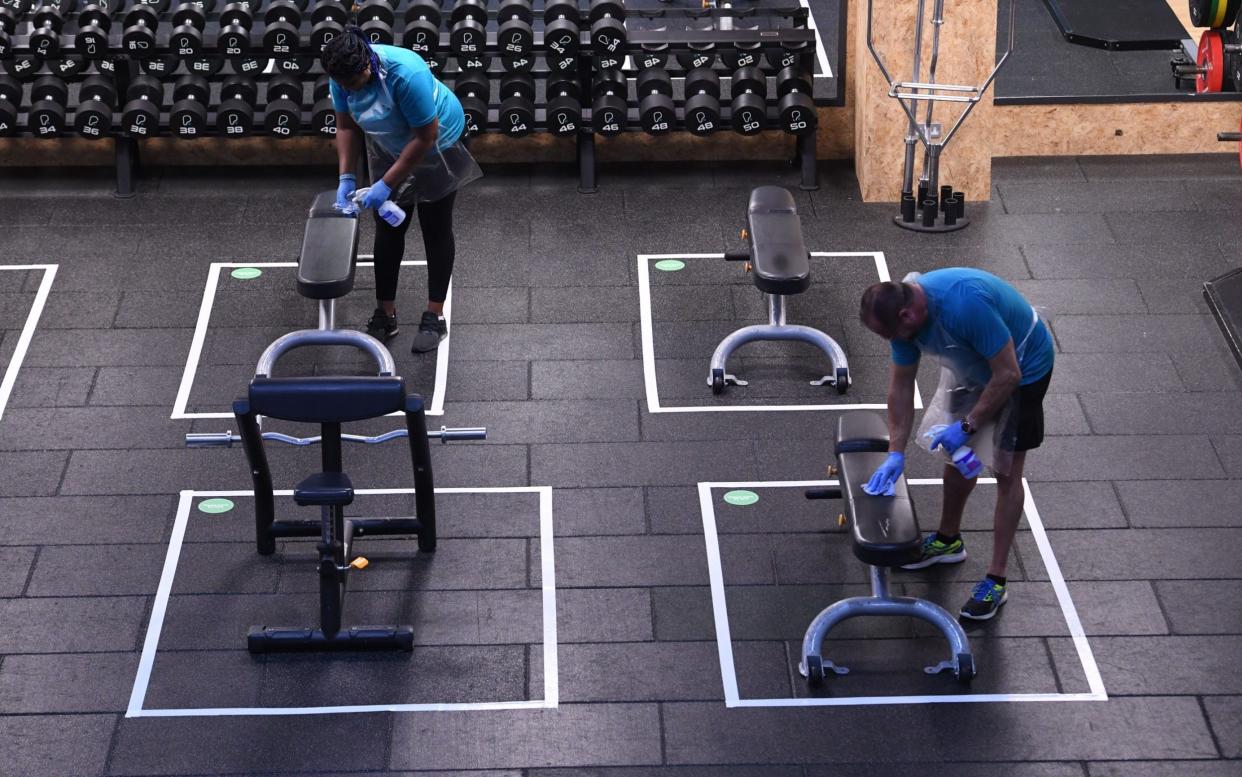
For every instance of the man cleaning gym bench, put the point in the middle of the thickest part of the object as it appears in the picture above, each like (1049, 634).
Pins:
(997, 357)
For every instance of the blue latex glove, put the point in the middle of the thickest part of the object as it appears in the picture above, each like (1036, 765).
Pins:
(345, 192)
(885, 478)
(949, 438)
(377, 195)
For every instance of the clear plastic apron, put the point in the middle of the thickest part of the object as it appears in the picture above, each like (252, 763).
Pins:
(439, 174)
(964, 374)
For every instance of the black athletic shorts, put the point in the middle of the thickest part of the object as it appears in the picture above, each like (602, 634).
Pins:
(1024, 430)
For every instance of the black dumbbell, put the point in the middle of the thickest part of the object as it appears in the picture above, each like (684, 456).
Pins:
(283, 115)
(96, 101)
(281, 20)
(750, 91)
(235, 115)
(188, 117)
(141, 114)
(249, 66)
(610, 107)
(515, 37)
(48, 19)
(473, 90)
(204, 66)
(607, 18)
(159, 66)
(517, 104)
(323, 113)
(795, 55)
(743, 54)
(94, 25)
(10, 98)
(656, 109)
(796, 106)
(519, 65)
(236, 19)
(422, 28)
(561, 36)
(11, 12)
(141, 23)
(67, 67)
(186, 39)
(564, 106)
(328, 20)
(698, 55)
(652, 55)
(469, 34)
(48, 97)
(376, 18)
(702, 102)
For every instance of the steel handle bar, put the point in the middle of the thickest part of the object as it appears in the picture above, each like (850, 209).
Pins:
(226, 439)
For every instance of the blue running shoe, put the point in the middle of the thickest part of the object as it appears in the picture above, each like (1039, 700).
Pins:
(985, 600)
(937, 552)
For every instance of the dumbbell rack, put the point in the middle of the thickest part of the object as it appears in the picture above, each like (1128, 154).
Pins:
(776, 26)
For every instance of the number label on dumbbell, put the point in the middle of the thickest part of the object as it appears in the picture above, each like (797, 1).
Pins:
(515, 45)
(607, 42)
(45, 125)
(658, 123)
(468, 44)
(250, 66)
(703, 122)
(233, 127)
(282, 127)
(561, 45)
(749, 122)
(329, 124)
(281, 46)
(796, 122)
(91, 127)
(139, 127)
(187, 128)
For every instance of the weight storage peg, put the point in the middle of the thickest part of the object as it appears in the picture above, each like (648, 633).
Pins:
(422, 28)
(564, 106)
(468, 37)
(610, 107)
(189, 20)
(94, 25)
(323, 113)
(656, 109)
(140, 117)
(96, 100)
(235, 116)
(473, 90)
(796, 106)
(517, 104)
(283, 114)
(515, 38)
(188, 117)
(281, 21)
(607, 19)
(750, 111)
(702, 102)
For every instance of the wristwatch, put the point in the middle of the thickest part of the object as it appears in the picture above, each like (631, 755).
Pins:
(967, 426)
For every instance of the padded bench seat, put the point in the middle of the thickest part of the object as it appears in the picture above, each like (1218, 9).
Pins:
(780, 263)
(329, 250)
(325, 488)
(885, 528)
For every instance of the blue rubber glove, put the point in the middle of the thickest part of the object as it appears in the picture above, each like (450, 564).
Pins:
(949, 438)
(345, 192)
(377, 195)
(885, 478)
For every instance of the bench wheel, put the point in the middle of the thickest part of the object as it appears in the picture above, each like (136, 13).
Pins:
(843, 379)
(814, 671)
(718, 381)
(965, 668)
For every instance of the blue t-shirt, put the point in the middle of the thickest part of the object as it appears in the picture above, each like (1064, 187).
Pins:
(419, 96)
(981, 313)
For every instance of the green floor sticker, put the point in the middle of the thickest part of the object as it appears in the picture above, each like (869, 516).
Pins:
(741, 498)
(246, 273)
(670, 265)
(215, 506)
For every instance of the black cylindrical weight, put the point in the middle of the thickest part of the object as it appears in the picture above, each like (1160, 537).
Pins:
(908, 208)
(141, 116)
(235, 116)
(468, 37)
(473, 90)
(564, 106)
(517, 106)
(96, 100)
(48, 97)
(188, 117)
(929, 212)
(610, 107)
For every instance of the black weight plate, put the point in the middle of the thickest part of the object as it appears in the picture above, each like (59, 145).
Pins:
(68, 67)
(23, 66)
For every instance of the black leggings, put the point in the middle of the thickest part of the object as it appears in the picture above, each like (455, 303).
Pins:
(435, 219)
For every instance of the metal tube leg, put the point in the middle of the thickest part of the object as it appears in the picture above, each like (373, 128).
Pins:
(808, 161)
(586, 163)
(327, 314)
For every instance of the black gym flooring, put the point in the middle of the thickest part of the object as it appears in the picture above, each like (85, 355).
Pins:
(1136, 490)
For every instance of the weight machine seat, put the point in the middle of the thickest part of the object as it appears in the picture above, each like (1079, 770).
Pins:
(885, 528)
(779, 260)
(328, 399)
(325, 488)
(329, 250)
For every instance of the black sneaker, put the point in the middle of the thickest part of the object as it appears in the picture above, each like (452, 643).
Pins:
(985, 600)
(382, 326)
(431, 330)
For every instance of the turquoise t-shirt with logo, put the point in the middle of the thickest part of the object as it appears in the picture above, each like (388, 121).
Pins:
(980, 313)
(419, 95)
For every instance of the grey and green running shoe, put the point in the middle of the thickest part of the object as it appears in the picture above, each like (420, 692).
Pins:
(985, 600)
(937, 552)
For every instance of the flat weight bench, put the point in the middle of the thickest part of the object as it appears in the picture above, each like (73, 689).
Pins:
(329, 402)
(780, 266)
(329, 253)
(885, 534)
